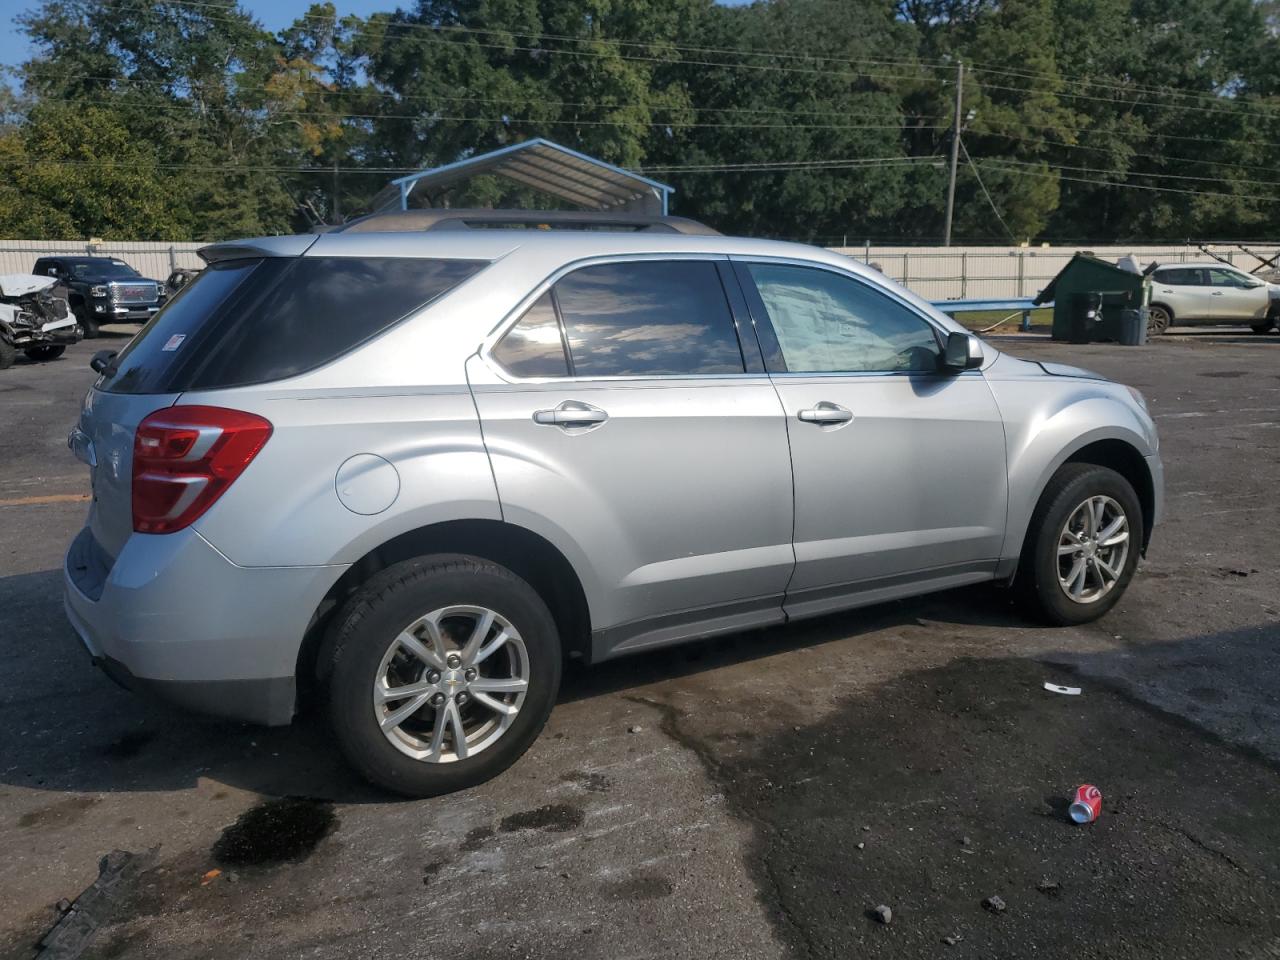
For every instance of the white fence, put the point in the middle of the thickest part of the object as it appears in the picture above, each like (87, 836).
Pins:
(951, 273)
(935, 273)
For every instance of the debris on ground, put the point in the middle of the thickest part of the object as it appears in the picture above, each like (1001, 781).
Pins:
(81, 919)
(1067, 691)
(862, 846)
(952, 940)
(883, 914)
(994, 904)
(210, 876)
(635, 729)
(965, 841)
(1049, 888)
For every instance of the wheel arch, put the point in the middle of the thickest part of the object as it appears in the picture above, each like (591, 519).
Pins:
(527, 554)
(1165, 307)
(1125, 459)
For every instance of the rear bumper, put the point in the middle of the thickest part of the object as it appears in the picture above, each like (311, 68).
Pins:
(173, 618)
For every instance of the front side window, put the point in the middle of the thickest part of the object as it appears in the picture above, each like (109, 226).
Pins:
(1229, 278)
(648, 318)
(828, 323)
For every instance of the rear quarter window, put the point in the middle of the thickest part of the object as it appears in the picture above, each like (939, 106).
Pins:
(255, 321)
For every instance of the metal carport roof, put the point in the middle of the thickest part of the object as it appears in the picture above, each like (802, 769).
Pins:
(554, 169)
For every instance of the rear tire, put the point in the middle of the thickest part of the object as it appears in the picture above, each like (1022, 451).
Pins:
(49, 351)
(441, 602)
(1159, 319)
(1263, 326)
(1065, 573)
(8, 353)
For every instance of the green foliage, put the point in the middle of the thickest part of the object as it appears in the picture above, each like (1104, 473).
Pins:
(1093, 119)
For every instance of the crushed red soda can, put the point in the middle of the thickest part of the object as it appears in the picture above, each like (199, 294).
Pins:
(1087, 804)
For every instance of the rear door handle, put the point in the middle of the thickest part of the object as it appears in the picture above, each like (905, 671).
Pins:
(1217, 293)
(571, 413)
(825, 412)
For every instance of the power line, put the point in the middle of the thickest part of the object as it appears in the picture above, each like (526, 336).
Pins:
(977, 176)
(1127, 186)
(1138, 173)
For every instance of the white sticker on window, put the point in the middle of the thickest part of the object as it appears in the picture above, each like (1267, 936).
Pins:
(174, 342)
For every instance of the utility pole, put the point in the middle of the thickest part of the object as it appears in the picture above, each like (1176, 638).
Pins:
(955, 152)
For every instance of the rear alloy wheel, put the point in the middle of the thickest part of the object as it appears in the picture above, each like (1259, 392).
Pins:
(49, 351)
(444, 670)
(1082, 545)
(1158, 320)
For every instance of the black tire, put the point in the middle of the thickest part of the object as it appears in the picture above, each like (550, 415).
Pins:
(1037, 582)
(366, 629)
(48, 351)
(1159, 319)
(1263, 326)
(8, 353)
(89, 326)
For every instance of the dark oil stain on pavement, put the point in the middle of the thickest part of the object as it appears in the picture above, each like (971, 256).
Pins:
(283, 830)
(640, 887)
(61, 813)
(129, 745)
(944, 787)
(591, 782)
(476, 838)
(554, 817)
(1225, 374)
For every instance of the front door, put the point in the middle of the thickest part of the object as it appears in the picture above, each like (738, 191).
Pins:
(1186, 290)
(624, 424)
(1236, 297)
(900, 477)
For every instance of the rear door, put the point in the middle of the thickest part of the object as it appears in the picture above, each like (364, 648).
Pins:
(899, 468)
(1186, 291)
(628, 423)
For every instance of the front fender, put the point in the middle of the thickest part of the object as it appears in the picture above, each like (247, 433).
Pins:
(1041, 441)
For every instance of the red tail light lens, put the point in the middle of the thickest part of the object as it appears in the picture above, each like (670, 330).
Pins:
(185, 458)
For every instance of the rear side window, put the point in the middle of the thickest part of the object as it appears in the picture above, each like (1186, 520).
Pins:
(254, 321)
(648, 318)
(534, 347)
(1180, 277)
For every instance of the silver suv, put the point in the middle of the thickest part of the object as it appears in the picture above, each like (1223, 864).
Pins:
(413, 464)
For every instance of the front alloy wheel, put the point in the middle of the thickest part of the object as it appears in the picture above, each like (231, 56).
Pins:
(1158, 321)
(451, 684)
(1082, 545)
(1092, 549)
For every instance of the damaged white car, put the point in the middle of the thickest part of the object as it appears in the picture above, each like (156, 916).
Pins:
(33, 319)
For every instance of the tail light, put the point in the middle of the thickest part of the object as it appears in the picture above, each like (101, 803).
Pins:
(185, 458)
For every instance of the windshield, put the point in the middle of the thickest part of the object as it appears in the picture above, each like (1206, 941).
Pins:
(103, 270)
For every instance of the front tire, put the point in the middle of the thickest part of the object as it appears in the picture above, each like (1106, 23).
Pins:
(1082, 545)
(87, 324)
(8, 353)
(444, 671)
(49, 351)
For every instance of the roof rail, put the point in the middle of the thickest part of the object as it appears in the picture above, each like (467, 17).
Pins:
(406, 221)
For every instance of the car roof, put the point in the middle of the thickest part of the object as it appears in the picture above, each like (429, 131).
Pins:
(1200, 265)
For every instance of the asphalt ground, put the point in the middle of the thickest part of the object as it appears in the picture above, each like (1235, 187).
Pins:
(754, 796)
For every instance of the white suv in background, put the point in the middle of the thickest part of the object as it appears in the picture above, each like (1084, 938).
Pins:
(1211, 292)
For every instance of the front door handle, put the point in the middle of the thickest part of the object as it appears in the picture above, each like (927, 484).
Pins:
(1217, 293)
(826, 412)
(571, 413)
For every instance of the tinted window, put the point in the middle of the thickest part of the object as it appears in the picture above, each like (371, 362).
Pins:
(648, 318)
(1179, 277)
(1228, 278)
(534, 346)
(103, 269)
(252, 321)
(827, 323)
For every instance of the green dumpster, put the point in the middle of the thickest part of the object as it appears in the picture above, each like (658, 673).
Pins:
(1091, 299)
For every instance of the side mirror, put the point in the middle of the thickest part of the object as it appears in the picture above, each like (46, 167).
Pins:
(963, 352)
